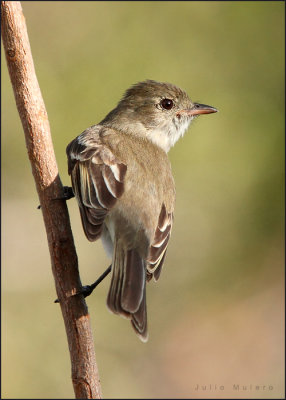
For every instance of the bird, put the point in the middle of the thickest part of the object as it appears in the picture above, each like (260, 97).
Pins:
(122, 179)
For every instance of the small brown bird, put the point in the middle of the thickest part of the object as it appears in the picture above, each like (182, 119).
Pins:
(122, 180)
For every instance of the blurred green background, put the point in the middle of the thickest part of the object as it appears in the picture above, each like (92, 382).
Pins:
(216, 314)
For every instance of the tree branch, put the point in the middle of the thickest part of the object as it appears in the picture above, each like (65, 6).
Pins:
(36, 127)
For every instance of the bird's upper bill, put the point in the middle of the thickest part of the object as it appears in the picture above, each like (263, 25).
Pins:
(198, 109)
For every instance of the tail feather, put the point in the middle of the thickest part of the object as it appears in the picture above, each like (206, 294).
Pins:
(133, 282)
(127, 293)
(114, 295)
(139, 319)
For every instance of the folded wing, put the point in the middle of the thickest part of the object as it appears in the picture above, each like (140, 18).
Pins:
(97, 181)
(159, 245)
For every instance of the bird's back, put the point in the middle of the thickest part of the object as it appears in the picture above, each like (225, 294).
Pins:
(148, 184)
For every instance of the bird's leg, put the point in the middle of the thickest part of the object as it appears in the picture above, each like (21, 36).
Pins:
(68, 194)
(88, 289)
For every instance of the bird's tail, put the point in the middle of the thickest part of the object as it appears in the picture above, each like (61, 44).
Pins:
(127, 293)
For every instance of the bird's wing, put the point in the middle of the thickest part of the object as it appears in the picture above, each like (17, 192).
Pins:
(158, 247)
(97, 180)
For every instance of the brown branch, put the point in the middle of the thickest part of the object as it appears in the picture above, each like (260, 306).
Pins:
(35, 122)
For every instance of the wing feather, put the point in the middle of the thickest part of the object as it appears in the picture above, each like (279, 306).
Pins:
(159, 245)
(97, 180)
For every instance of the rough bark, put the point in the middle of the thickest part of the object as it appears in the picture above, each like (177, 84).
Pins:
(40, 150)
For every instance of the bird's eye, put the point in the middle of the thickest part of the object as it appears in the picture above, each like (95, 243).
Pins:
(167, 104)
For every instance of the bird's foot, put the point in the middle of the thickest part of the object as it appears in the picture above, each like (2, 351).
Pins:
(88, 289)
(67, 194)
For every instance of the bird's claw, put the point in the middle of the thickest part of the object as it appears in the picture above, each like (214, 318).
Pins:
(85, 291)
(88, 289)
(67, 194)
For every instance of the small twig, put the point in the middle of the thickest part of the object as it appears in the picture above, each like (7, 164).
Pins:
(35, 123)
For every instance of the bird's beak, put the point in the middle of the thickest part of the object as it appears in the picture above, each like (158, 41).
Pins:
(198, 109)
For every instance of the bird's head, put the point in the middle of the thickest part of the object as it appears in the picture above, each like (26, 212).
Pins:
(159, 111)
